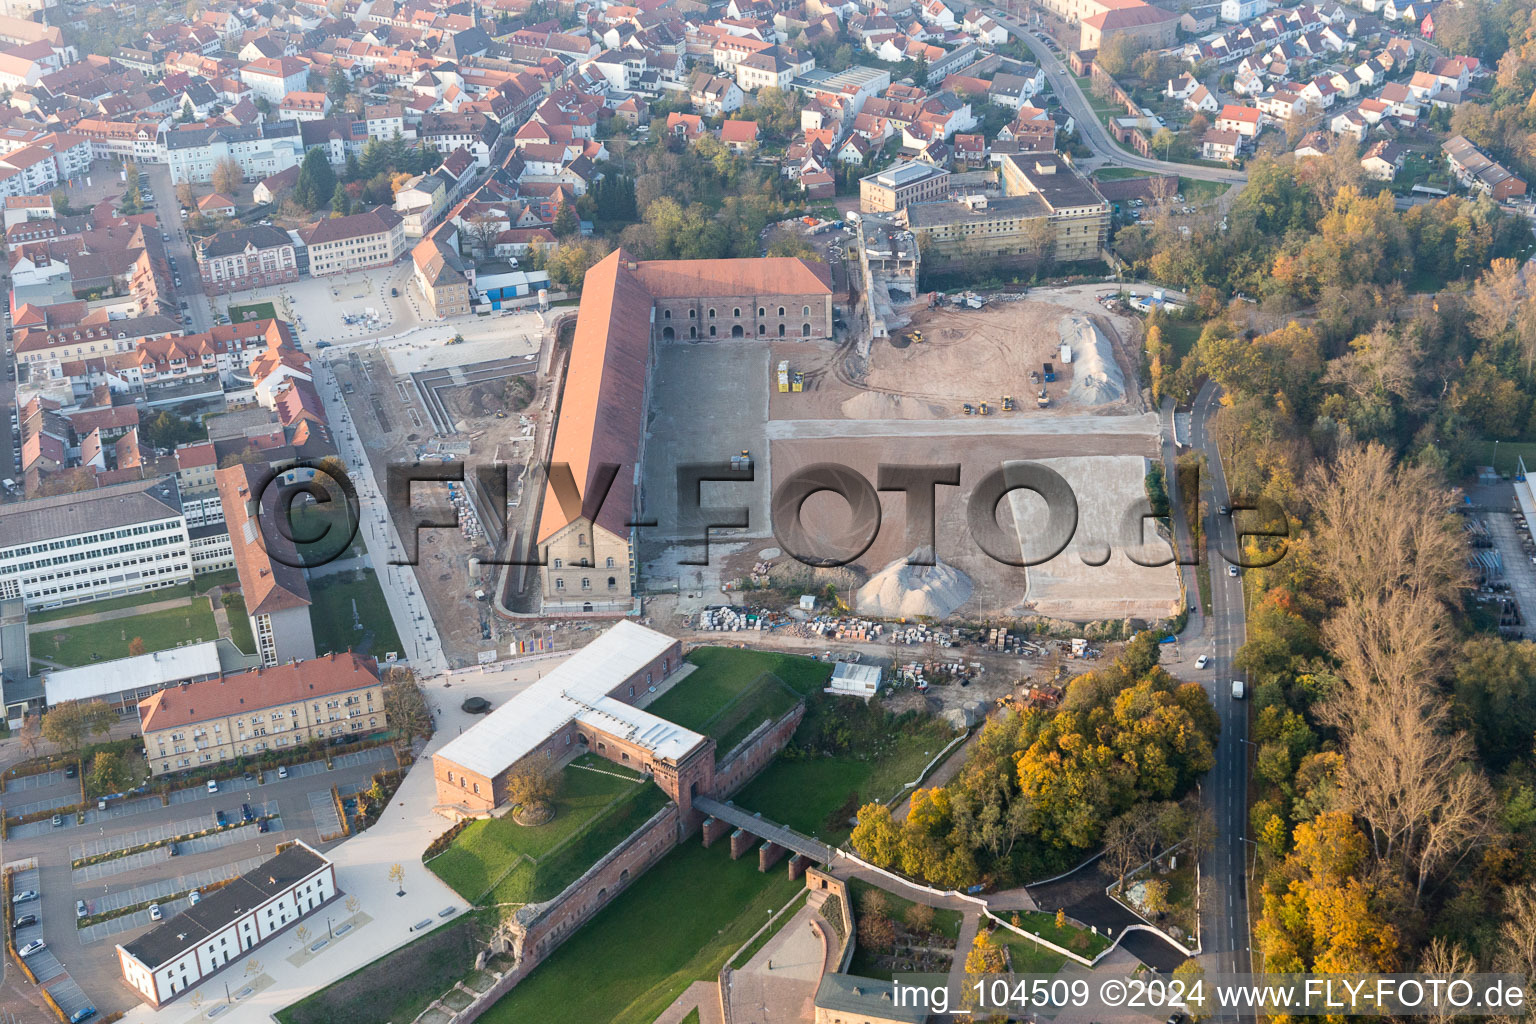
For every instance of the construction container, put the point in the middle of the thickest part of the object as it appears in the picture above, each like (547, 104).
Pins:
(783, 376)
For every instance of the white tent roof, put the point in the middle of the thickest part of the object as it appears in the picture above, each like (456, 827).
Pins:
(145, 671)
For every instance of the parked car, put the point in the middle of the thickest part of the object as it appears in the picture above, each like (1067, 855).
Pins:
(58, 819)
(195, 897)
(282, 771)
(245, 813)
(25, 896)
(218, 817)
(155, 913)
(35, 946)
(71, 771)
(24, 921)
(85, 1013)
(80, 910)
(213, 785)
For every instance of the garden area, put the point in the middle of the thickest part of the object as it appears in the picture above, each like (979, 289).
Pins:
(1164, 895)
(596, 805)
(239, 313)
(710, 904)
(896, 935)
(74, 645)
(348, 612)
(239, 623)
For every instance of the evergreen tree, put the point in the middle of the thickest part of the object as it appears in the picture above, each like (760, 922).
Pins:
(341, 202)
(317, 182)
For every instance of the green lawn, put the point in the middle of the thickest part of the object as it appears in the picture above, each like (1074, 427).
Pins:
(331, 613)
(1039, 923)
(241, 312)
(498, 853)
(1481, 453)
(802, 793)
(691, 1017)
(1118, 173)
(724, 674)
(1197, 190)
(105, 641)
(689, 913)
(1029, 957)
(111, 604)
(1179, 335)
(945, 922)
(206, 581)
(239, 624)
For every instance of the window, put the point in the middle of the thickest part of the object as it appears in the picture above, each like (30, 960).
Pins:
(581, 540)
(762, 329)
(586, 583)
(711, 314)
(612, 583)
(761, 311)
(666, 315)
(559, 584)
(693, 314)
(610, 562)
(736, 312)
(805, 330)
(477, 787)
(781, 311)
(805, 311)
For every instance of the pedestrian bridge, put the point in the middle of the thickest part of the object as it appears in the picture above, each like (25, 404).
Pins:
(769, 831)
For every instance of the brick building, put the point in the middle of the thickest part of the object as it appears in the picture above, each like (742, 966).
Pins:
(245, 258)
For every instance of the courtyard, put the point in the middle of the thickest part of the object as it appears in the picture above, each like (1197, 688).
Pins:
(90, 634)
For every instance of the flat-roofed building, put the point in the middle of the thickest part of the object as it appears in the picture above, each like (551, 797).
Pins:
(223, 926)
(124, 682)
(1078, 212)
(984, 228)
(247, 714)
(584, 705)
(902, 185)
(113, 541)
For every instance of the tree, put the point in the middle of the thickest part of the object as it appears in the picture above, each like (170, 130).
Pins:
(534, 785)
(920, 918)
(316, 182)
(68, 724)
(1117, 55)
(227, 177)
(341, 203)
(31, 734)
(61, 207)
(1192, 975)
(337, 85)
(135, 647)
(566, 222)
(1155, 897)
(188, 112)
(108, 773)
(185, 196)
(405, 708)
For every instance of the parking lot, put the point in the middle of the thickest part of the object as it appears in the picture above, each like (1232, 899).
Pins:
(79, 966)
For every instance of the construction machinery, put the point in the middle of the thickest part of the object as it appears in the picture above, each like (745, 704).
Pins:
(1042, 400)
(969, 411)
(1008, 405)
(984, 410)
(915, 336)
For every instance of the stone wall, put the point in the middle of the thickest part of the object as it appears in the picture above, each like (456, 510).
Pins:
(754, 753)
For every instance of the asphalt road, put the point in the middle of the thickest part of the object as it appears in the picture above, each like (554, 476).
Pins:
(167, 211)
(1224, 907)
(1089, 129)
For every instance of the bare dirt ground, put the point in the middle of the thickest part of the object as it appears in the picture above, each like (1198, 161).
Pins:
(965, 356)
(396, 429)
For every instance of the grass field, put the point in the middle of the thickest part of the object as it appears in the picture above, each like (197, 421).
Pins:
(206, 581)
(1197, 191)
(239, 624)
(1029, 957)
(1118, 173)
(725, 900)
(1481, 453)
(331, 614)
(105, 641)
(723, 674)
(241, 312)
(945, 922)
(1180, 335)
(1044, 925)
(802, 793)
(181, 591)
(595, 809)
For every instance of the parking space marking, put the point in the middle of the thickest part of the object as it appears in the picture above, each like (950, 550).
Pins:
(327, 821)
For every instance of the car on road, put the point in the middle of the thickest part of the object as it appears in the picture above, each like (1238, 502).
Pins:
(1238, 689)
(1224, 510)
(25, 896)
(84, 1013)
(80, 910)
(1231, 570)
(282, 771)
(155, 913)
(1202, 661)
(24, 921)
(35, 946)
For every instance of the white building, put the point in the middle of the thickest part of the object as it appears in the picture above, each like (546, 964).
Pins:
(1238, 12)
(260, 150)
(124, 682)
(113, 541)
(228, 923)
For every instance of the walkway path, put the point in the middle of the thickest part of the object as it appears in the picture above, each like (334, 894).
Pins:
(970, 924)
(778, 985)
(765, 829)
(702, 994)
(90, 618)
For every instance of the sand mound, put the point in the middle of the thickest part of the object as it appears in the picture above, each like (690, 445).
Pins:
(876, 405)
(904, 591)
(1096, 377)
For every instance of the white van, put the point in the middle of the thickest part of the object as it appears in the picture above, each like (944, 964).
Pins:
(1237, 689)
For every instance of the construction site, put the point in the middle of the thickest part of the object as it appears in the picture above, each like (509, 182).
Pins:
(423, 408)
(1046, 378)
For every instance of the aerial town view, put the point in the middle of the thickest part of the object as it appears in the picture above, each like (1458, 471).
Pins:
(767, 511)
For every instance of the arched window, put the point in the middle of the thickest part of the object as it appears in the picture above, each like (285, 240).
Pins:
(781, 330)
(781, 311)
(711, 330)
(762, 329)
(805, 311)
(610, 562)
(711, 312)
(581, 540)
(693, 314)
(805, 330)
(736, 312)
(612, 583)
(666, 314)
(761, 311)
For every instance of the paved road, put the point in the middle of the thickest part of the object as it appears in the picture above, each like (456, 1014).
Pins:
(1090, 129)
(1224, 908)
(168, 212)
